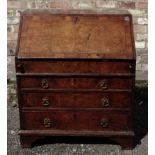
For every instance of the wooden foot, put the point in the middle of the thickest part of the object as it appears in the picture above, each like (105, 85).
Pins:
(27, 141)
(127, 143)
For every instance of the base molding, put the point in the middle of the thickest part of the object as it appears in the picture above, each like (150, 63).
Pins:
(123, 138)
(74, 133)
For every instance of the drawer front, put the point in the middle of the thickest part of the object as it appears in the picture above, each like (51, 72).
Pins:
(75, 120)
(76, 83)
(77, 100)
(75, 67)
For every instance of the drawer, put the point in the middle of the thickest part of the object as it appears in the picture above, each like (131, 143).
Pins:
(76, 100)
(74, 66)
(75, 120)
(76, 83)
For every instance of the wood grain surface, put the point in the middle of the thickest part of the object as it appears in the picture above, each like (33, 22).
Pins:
(76, 35)
(75, 120)
(76, 74)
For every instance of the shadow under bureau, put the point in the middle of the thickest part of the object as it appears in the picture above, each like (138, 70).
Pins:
(76, 75)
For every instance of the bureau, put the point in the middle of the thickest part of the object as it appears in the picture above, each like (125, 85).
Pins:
(75, 75)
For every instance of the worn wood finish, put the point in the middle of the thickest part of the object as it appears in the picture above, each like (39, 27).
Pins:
(77, 133)
(77, 82)
(75, 75)
(78, 35)
(76, 120)
(76, 100)
(62, 66)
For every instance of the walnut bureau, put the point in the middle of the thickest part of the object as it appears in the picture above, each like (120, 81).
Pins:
(75, 75)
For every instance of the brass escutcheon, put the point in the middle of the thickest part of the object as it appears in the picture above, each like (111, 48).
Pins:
(104, 84)
(104, 123)
(45, 101)
(47, 123)
(105, 102)
(44, 83)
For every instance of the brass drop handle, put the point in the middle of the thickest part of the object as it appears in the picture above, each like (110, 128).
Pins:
(104, 123)
(104, 84)
(47, 123)
(44, 83)
(20, 68)
(105, 102)
(45, 101)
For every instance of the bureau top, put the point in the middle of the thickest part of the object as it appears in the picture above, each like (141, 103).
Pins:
(104, 34)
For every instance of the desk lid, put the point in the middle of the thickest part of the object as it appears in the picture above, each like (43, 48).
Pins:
(104, 34)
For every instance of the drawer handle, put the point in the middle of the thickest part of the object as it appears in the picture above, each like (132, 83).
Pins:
(47, 123)
(104, 84)
(131, 67)
(20, 68)
(104, 123)
(44, 83)
(45, 101)
(105, 102)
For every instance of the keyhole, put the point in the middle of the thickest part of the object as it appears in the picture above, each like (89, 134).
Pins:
(75, 19)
